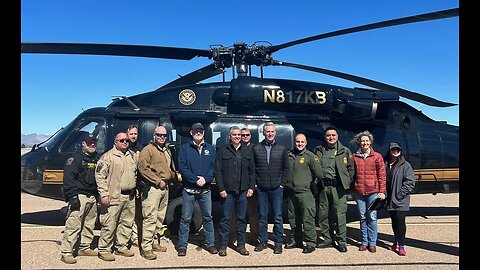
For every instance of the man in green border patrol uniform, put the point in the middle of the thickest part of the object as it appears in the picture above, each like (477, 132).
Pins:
(338, 171)
(304, 166)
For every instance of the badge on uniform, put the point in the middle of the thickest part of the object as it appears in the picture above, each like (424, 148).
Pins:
(90, 165)
(69, 161)
(206, 152)
(302, 160)
(345, 160)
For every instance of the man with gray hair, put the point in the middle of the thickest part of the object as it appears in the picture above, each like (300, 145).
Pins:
(235, 176)
(271, 167)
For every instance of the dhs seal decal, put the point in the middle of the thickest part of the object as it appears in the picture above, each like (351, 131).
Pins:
(187, 97)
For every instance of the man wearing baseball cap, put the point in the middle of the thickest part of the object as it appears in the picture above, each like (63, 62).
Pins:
(80, 191)
(195, 163)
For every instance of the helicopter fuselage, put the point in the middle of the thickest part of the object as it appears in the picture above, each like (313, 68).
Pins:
(294, 106)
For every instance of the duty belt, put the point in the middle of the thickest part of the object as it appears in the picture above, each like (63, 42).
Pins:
(127, 192)
(330, 182)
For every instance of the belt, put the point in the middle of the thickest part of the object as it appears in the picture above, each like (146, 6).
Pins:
(127, 192)
(329, 182)
(197, 190)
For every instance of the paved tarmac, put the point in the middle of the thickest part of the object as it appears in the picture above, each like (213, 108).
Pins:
(432, 243)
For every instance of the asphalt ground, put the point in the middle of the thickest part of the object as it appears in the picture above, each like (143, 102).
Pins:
(432, 243)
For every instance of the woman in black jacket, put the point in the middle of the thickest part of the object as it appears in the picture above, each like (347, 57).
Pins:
(400, 183)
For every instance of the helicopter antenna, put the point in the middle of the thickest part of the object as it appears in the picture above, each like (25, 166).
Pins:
(135, 107)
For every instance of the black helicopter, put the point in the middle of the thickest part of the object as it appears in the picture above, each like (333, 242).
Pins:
(247, 101)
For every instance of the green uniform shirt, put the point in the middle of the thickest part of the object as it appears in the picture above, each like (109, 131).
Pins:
(303, 168)
(328, 163)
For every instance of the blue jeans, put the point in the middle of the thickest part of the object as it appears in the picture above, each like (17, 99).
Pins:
(205, 202)
(239, 203)
(270, 199)
(368, 221)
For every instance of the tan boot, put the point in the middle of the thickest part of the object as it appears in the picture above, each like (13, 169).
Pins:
(125, 252)
(149, 255)
(88, 252)
(68, 259)
(106, 256)
(159, 248)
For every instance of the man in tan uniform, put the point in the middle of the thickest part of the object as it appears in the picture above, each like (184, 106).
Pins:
(156, 166)
(115, 175)
(136, 147)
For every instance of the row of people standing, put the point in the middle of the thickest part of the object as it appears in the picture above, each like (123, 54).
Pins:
(275, 169)
(240, 171)
(368, 176)
(113, 179)
(109, 179)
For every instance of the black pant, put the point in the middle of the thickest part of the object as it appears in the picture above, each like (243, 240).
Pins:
(398, 225)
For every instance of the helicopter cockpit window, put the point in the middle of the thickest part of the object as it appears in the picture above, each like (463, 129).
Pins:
(74, 141)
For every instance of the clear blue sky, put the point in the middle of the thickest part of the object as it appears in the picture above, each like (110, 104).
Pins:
(421, 57)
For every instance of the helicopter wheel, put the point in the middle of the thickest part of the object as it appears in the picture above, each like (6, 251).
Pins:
(174, 214)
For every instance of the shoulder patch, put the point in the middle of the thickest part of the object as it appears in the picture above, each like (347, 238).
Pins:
(316, 159)
(70, 160)
(99, 167)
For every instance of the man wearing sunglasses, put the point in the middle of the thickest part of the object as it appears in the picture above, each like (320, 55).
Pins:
(116, 178)
(195, 163)
(156, 166)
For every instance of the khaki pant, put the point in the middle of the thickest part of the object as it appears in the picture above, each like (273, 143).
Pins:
(117, 221)
(154, 209)
(87, 215)
(137, 225)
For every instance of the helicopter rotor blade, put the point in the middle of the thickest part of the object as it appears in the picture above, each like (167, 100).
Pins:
(443, 14)
(115, 50)
(371, 83)
(195, 76)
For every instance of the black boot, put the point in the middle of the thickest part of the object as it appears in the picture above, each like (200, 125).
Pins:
(293, 244)
(324, 244)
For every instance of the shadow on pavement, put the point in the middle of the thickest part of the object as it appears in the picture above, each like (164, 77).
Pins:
(47, 218)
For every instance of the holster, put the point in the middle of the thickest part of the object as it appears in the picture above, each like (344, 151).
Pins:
(315, 187)
(145, 189)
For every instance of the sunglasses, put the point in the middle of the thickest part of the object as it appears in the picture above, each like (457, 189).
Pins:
(245, 135)
(161, 135)
(124, 140)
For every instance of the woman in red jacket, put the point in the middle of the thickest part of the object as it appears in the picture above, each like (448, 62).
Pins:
(369, 184)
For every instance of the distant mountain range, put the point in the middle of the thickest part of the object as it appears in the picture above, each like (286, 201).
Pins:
(31, 139)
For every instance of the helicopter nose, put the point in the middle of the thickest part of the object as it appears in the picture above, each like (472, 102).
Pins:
(31, 179)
